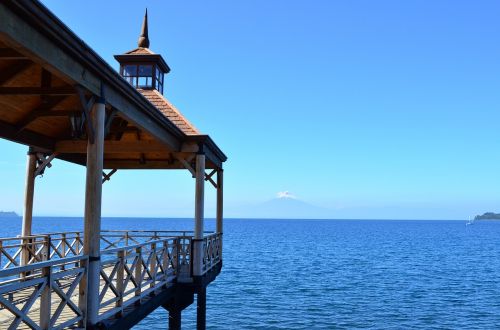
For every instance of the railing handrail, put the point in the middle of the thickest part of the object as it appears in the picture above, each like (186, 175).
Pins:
(128, 247)
(102, 231)
(41, 264)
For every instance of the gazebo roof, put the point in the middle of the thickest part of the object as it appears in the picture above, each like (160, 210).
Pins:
(168, 109)
(49, 75)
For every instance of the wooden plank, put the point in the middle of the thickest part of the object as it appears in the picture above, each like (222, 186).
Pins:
(79, 146)
(41, 109)
(10, 54)
(128, 164)
(13, 70)
(37, 91)
(11, 132)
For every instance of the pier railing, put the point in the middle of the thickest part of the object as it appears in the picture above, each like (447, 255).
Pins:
(212, 251)
(43, 293)
(20, 251)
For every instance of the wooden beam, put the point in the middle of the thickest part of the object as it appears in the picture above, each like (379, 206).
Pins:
(123, 129)
(10, 54)
(13, 70)
(56, 113)
(186, 165)
(37, 91)
(11, 132)
(134, 164)
(41, 109)
(111, 146)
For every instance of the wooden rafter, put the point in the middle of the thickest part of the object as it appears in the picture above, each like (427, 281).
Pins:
(10, 54)
(11, 132)
(13, 70)
(122, 128)
(42, 110)
(37, 91)
(111, 146)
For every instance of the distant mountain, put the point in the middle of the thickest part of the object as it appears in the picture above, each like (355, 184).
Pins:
(8, 215)
(284, 208)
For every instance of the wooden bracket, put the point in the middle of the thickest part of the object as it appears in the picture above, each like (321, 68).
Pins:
(109, 119)
(107, 177)
(43, 161)
(86, 108)
(208, 177)
(186, 163)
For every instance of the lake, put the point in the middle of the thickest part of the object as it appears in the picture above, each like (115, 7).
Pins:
(338, 274)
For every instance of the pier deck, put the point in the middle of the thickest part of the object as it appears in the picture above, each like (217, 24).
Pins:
(139, 271)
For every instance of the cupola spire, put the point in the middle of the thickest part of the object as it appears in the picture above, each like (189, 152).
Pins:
(144, 38)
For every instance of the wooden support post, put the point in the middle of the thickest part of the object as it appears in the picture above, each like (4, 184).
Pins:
(152, 265)
(120, 277)
(201, 310)
(83, 288)
(93, 195)
(220, 201)
(174, 319)
(165, 260)
(220, 208)
(199, 196)
(138, 273)
(28, 205)
(199, 216)
(45, 299)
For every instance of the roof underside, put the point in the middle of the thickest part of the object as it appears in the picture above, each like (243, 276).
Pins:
(41, 62)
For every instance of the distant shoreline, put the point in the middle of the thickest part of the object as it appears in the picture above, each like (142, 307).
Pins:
(227, 218)
(9, 214)
(488, 216)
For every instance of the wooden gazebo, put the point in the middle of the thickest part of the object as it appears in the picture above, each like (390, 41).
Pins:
(58, 97)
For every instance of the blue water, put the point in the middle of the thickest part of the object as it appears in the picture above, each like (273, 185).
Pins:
(315, 274)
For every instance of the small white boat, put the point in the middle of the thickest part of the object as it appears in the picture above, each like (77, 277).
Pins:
(470, 222)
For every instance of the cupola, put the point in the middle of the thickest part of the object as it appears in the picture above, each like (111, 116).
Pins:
(141, 67)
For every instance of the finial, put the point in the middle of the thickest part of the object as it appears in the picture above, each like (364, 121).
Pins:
(144, 39)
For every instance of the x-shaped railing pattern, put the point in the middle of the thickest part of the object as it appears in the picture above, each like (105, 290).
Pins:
(211, 251)
(130, 273)
(15, 252)
(37, 295)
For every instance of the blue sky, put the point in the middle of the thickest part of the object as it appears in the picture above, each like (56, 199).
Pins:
(387, 106)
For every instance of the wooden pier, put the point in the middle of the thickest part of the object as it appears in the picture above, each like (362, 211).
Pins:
(59, 98)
